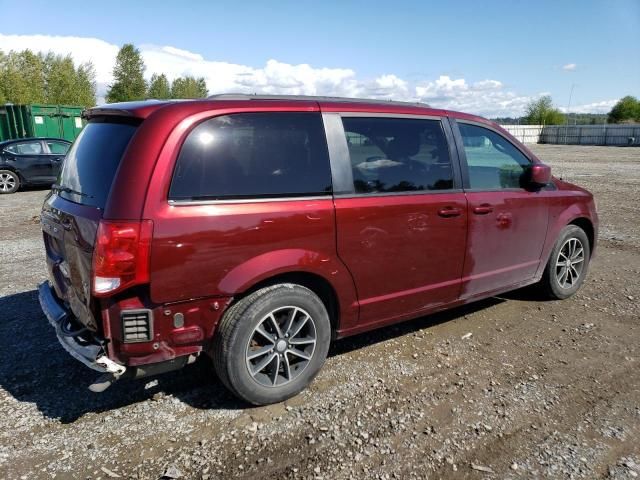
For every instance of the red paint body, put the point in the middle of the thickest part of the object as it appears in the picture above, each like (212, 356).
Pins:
(386, 258)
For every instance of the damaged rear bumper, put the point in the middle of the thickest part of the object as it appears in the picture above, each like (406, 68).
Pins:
(77, 341)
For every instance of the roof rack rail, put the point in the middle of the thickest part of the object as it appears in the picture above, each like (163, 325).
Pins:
(311, 98)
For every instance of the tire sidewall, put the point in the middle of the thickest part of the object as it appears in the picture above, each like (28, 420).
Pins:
(14, 175)
(570, 231)
(239, 377)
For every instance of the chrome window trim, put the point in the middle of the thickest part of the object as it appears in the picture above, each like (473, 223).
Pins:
(411, 116)
(231, 201)
(399, 194)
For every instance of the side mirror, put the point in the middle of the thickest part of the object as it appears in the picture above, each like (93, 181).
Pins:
(540, 174)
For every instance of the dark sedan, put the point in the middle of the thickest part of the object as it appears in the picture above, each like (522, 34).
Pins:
(30, 161)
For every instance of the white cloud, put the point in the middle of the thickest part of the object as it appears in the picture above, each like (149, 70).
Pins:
(486, 97)
(604, 106)
(569, 67)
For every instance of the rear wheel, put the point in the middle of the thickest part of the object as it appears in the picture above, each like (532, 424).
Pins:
(568, 264)
(9, 181)
(271, 344)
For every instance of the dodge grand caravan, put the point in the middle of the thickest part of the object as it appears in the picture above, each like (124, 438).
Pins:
(258, 229)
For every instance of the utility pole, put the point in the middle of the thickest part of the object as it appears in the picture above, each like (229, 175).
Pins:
(566, 127)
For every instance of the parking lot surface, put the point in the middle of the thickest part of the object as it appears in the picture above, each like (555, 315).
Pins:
(539, 388)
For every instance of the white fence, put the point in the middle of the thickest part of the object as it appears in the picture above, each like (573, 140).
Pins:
(525, 133)
(577, 134)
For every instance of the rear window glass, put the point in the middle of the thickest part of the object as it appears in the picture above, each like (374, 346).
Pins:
(249, 155)
(92, 161)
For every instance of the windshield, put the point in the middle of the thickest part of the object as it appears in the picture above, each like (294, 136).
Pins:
(91, 164)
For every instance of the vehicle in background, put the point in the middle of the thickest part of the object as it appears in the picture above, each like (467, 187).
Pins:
(256, 229)
(30, 162)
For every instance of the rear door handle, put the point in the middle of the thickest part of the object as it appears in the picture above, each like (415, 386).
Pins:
(482, 209)
(447, 212)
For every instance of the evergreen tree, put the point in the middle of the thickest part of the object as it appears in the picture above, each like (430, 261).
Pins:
(159, 87)
(128, 76)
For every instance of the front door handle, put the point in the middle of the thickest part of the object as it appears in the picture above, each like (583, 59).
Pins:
(483, 209)
(447, 212)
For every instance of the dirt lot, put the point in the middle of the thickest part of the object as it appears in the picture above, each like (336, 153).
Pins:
(540, 389)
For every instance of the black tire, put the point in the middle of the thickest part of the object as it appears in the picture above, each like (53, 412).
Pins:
(9, 181)
(236, 334)
(552, 282)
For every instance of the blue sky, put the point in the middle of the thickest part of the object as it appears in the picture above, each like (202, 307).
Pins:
(487, 57)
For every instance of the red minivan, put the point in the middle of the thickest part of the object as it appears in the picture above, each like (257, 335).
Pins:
(257, 229)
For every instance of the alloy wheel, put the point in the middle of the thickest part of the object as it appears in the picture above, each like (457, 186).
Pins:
(570, 263)
(281, 346)
(7, 182)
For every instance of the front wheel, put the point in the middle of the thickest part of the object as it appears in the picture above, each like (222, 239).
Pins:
(568, 264)
(271, 344)
(9, 181)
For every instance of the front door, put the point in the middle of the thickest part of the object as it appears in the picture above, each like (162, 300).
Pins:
(401, 228)
(507, 219)
(57, 150)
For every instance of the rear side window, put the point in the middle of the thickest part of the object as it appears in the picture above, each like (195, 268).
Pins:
(249, 155)
(493, 161)
(27, 148)
(398, 155)
(92, 161)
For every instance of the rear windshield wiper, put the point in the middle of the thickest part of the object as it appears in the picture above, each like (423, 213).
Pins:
(62, 188)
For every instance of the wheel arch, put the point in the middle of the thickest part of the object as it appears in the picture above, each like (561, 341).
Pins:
(314, 282)
(585, 224)
(13, 169)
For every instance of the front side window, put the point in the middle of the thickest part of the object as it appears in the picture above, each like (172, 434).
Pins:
(397, 155)
(249, 155)
(57, 148)
(493, 162)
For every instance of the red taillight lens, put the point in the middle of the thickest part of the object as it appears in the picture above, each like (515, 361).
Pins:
(121, 255)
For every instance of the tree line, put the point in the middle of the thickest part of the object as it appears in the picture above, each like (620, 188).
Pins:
(543, 112)
(27, 77)
(129, 82)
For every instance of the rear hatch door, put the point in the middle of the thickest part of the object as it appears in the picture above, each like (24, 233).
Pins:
(72, 211)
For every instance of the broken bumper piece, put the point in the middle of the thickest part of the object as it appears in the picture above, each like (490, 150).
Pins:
(77, 341)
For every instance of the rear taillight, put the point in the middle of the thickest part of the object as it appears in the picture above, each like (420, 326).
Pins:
(121, 255)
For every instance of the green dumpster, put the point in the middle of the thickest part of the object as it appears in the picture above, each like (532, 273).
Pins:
(23, 121)
(71, 121)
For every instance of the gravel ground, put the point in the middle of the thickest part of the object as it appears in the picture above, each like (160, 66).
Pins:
(539, 388)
